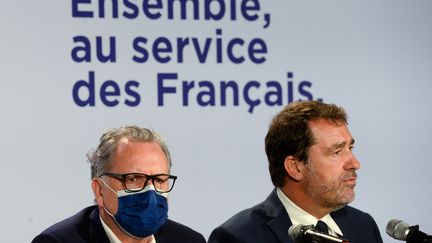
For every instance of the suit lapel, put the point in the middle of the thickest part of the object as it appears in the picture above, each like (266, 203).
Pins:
(279, 222)
(96, 230)
(341, 219)
(279, 226)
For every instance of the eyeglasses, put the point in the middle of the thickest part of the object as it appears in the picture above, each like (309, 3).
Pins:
(135, 182)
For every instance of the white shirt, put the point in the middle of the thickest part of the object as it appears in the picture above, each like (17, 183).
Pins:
(299, 216)
(113, 238)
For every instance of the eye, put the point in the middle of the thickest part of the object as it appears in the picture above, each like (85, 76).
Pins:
(134, 179)
(131, 179)
(160, 180)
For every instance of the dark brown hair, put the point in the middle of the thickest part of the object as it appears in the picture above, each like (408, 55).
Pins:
(289, 133)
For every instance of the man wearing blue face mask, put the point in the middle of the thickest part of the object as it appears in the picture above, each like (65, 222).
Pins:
(131, 181)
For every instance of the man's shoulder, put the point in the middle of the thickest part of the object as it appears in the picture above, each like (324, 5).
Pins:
(252, 220)
(173, 231)
(260, 223)
(249, 217)
(259, 214)
(176, 226)
(71, 227)
(80, 217)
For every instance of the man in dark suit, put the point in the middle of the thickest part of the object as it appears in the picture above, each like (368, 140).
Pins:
(131, 181)
(313, 169)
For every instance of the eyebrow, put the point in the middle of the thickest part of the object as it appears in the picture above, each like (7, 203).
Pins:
(340, 145)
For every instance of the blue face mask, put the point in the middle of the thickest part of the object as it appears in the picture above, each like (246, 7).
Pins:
(140, 214)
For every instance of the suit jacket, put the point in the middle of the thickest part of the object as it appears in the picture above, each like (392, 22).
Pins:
(85, 226)
(268, 222)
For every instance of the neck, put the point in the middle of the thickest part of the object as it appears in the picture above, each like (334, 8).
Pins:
(132, 240)
(122, 236)
(297, 195)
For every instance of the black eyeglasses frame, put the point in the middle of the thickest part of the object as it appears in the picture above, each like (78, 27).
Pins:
(122, 178)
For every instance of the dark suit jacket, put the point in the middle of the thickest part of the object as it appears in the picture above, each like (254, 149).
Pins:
(85, 226)
(268, 222)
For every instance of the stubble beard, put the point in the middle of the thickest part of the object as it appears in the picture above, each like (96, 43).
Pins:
(332, 195)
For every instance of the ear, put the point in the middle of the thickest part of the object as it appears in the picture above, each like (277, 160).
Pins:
(294, 168)
(97, 191)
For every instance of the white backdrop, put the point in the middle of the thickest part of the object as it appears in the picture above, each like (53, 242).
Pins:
(372, 57)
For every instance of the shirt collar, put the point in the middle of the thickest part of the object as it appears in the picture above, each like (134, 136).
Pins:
(113, 238)
(299, 216)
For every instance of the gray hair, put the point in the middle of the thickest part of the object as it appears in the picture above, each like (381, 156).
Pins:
(101, 158)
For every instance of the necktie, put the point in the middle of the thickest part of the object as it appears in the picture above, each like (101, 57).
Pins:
(321, 226)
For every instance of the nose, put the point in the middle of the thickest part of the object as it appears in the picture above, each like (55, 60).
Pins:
(148, 182)
(352, 162)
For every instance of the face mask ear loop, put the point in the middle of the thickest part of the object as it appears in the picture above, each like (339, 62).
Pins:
(106, 210)
(107, 186)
